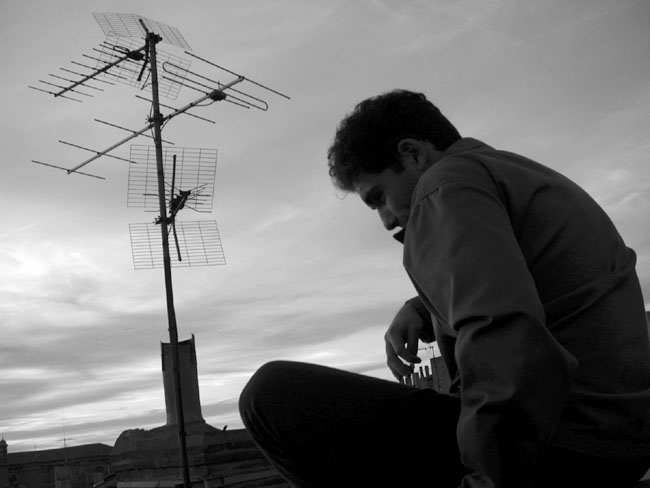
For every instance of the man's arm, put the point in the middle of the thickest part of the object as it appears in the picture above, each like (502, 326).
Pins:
(463, 256)
(411, 324)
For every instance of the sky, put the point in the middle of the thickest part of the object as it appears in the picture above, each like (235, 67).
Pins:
(311, 274)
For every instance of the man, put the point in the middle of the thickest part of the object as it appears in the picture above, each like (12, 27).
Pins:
(532, 297)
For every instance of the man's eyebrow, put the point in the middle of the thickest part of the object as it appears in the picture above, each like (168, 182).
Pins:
(372, 196)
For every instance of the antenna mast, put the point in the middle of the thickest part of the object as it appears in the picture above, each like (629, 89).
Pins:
(152, 39)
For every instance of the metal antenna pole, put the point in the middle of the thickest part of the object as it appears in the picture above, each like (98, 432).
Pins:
(152, 39)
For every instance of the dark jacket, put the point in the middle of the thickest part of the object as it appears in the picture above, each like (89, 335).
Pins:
(537, 310)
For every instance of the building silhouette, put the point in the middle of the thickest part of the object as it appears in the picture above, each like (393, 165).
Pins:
(433, 375)
(67, 467)
(150, 458)
(216, 458)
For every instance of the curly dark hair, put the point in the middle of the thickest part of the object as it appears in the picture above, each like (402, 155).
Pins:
(366, 139)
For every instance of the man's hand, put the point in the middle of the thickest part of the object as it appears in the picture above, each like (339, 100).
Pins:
(402, 338)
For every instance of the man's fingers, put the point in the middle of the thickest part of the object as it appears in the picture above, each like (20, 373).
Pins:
(402, 340)
(408, 356)
(397, 346)
(397, 367)
(412, 346)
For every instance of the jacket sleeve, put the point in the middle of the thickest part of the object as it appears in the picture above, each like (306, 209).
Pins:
(464, 258)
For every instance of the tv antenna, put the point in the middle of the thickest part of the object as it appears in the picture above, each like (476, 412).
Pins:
(124, 58)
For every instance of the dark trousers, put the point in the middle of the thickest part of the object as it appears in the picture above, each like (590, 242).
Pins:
(323, 427)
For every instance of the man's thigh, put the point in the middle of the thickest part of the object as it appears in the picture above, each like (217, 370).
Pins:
(321, 426)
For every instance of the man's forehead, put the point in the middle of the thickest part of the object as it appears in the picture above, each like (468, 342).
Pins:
(364, 185)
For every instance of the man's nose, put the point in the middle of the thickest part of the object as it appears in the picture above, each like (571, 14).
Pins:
(387, 218)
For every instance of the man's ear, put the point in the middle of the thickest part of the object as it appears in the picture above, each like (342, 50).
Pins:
(412, 151)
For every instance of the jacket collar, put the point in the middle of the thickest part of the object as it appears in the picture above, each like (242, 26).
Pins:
(460, 146)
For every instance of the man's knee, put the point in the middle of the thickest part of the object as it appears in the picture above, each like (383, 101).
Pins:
(264, 387)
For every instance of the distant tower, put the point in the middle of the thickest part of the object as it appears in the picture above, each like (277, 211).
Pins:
(4, 464)
(189, 382)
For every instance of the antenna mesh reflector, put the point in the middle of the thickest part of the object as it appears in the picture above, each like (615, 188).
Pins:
(195, 172)
(199, 243)
(128, 25)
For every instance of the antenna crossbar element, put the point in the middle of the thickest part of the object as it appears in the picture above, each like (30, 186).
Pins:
(128, 55)
(118, 59)
(133, 73)
(174, 108)
(198, 83)
(92, 150)
(215, 95)
(66, 169)
(239, 76)
(129, 130)
(81, 74)
(199, 243)
(204, 84)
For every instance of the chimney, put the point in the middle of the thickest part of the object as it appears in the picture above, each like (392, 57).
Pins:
(189, 382)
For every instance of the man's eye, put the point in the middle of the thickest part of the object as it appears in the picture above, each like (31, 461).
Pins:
(376, 201)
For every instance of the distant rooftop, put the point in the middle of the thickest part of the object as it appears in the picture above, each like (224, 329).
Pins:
(52, 455)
